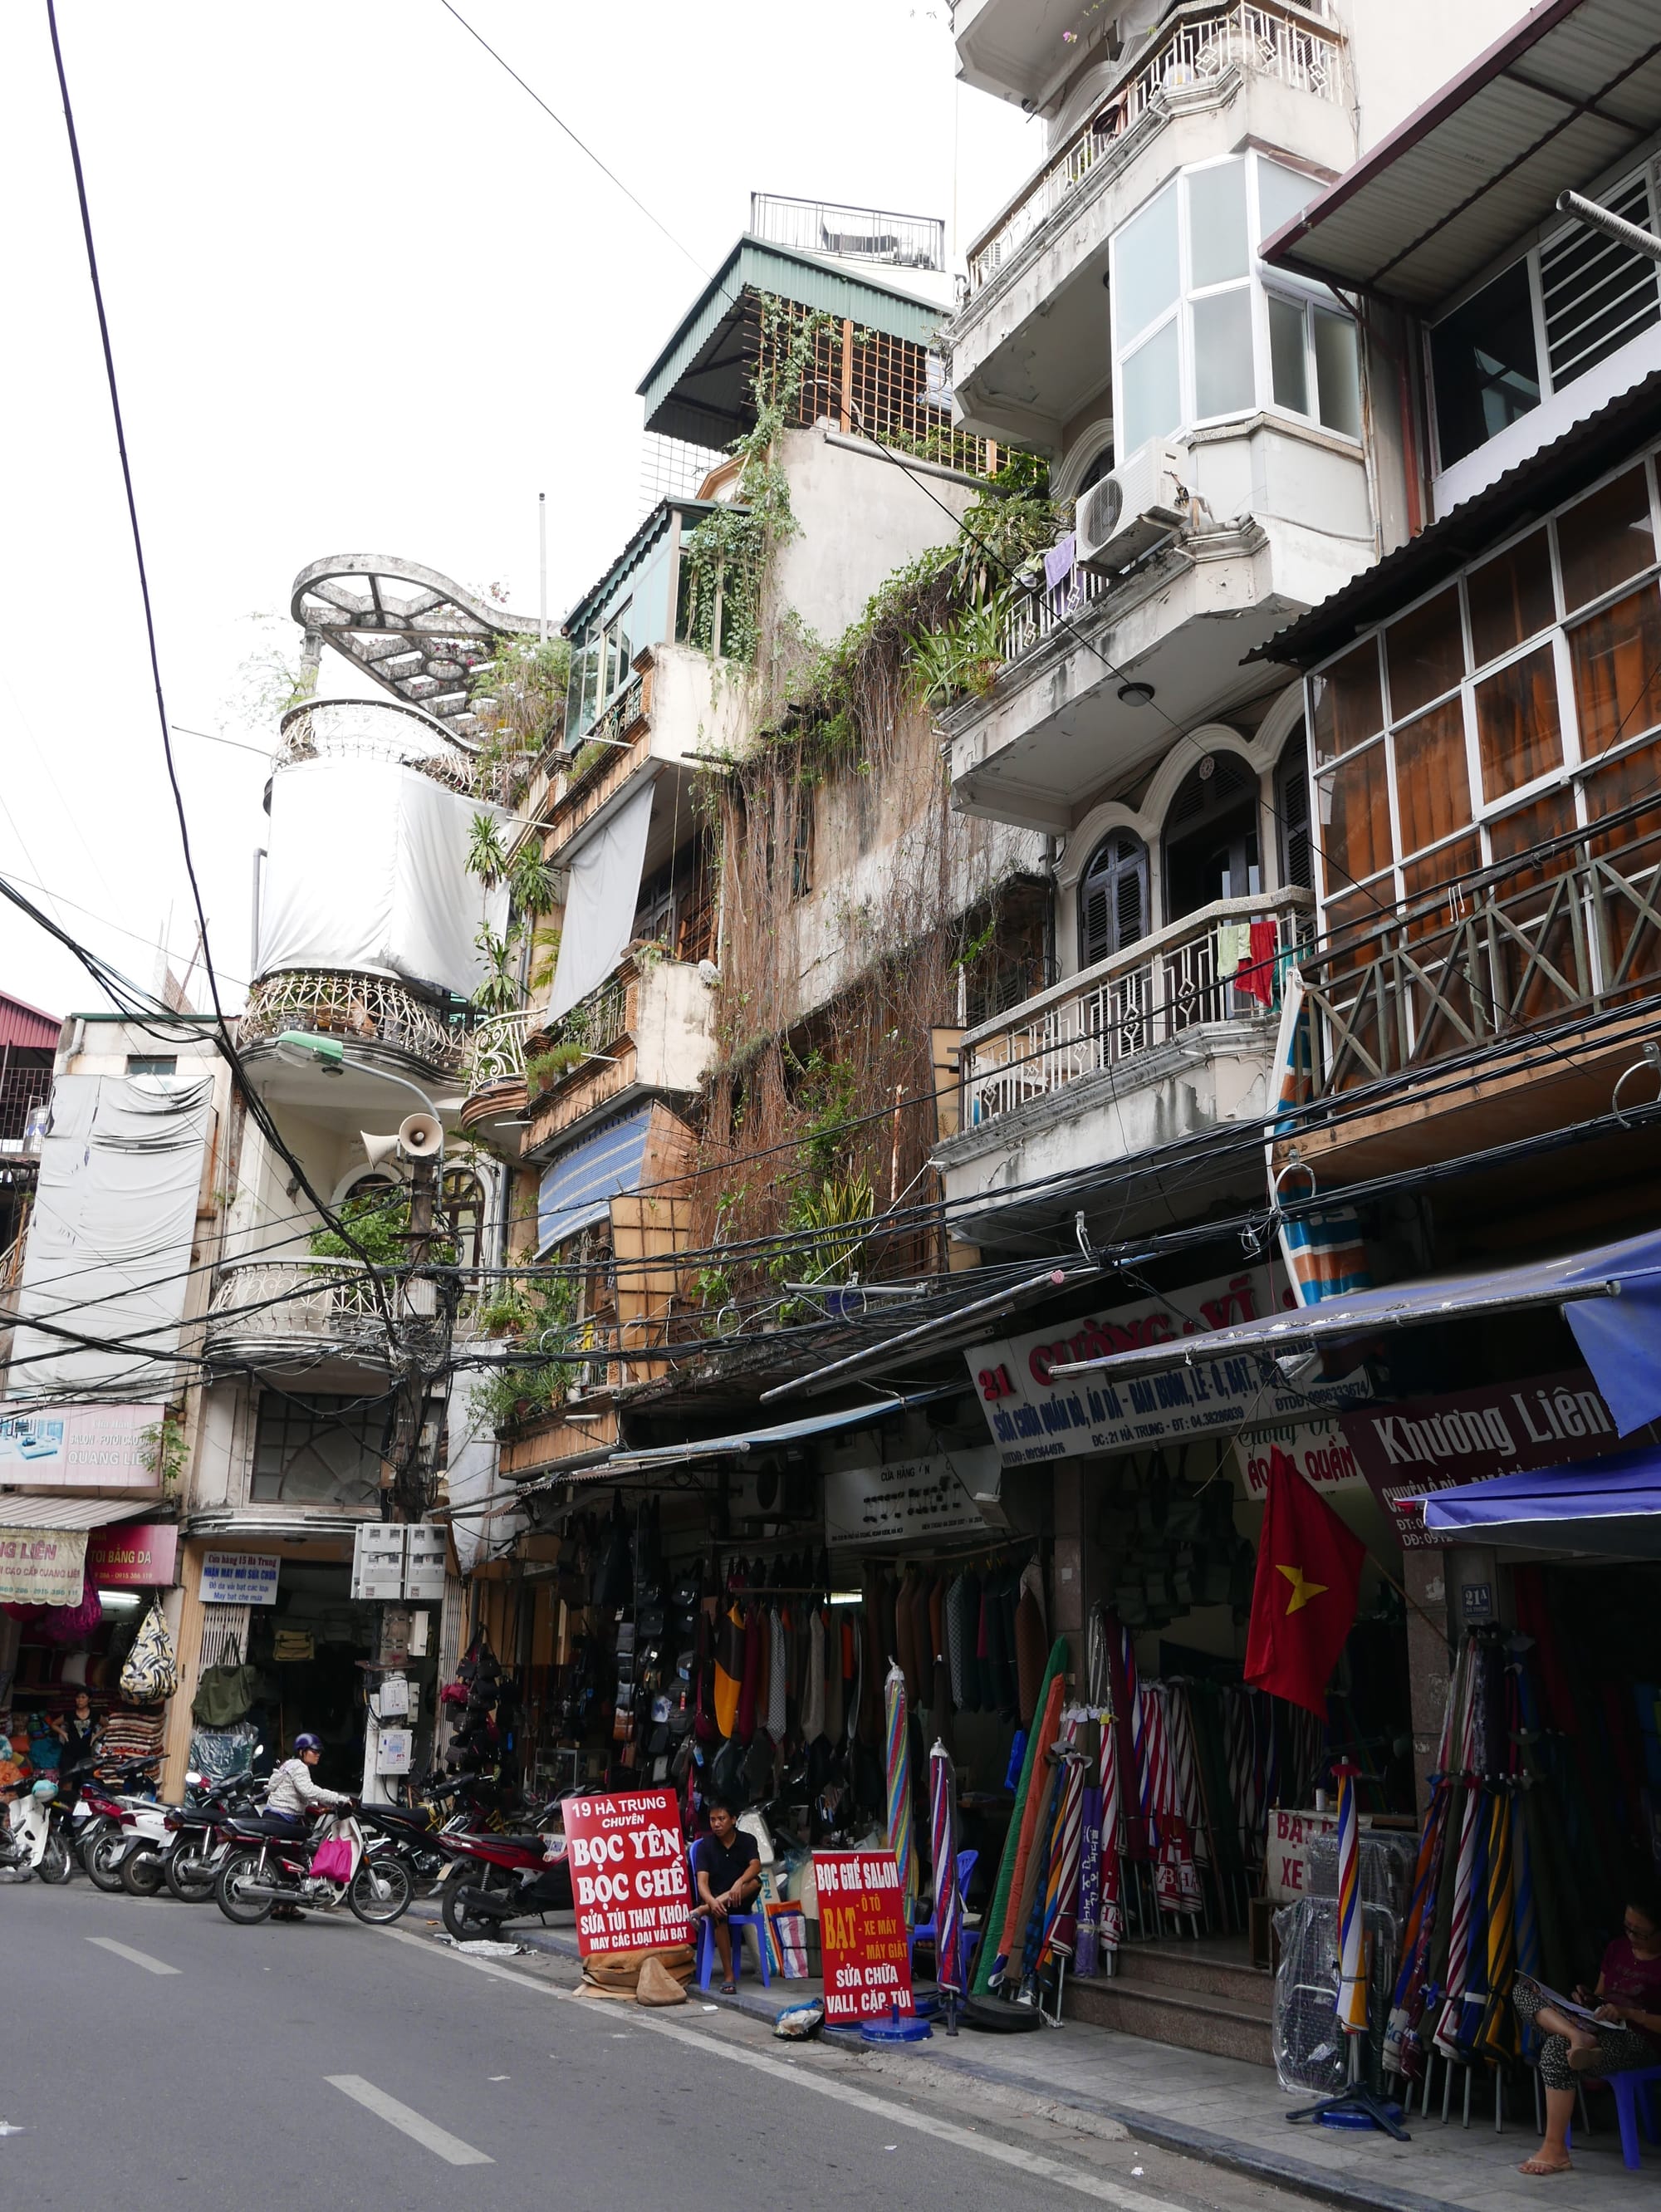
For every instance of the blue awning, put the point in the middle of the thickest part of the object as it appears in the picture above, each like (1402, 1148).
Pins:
(782, 1432)
(1610, 1297)
(577, 1187)
(1608, 1505)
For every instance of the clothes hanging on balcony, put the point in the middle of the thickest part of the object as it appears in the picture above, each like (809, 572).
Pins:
(1255, 976)
(1059, 563)
(1234, 949)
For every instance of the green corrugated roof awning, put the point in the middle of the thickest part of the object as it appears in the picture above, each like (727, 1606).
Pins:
(698, 388)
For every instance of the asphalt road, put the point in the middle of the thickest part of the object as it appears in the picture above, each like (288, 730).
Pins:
(154, 2054)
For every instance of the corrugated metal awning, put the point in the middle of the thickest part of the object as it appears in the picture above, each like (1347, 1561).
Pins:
(1569, 92)
(55, 1509)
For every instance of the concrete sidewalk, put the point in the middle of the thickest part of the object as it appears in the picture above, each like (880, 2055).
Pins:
(1228, 2114)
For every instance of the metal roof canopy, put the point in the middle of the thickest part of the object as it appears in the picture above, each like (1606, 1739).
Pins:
(1598, 443)
(783, 1432)
(54, 1510)
(698, 387)
(1569, 92)
(645, 537)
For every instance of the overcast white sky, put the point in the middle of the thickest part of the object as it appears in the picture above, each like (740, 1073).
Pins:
(364, 296)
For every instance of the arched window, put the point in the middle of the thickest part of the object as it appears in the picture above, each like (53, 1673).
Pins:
(1297, 847)
(1211, 836)
(1113, 897)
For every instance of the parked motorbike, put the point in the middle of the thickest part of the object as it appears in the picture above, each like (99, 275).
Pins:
(269, 1865)
(496, 1879)
(109, 1806)
(198, 1838)
(32, 1840)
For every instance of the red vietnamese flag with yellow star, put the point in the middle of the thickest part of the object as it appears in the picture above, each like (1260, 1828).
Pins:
(1303, 1602)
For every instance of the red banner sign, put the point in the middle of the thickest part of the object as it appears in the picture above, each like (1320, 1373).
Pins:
(629, 1872)
(128, 1556)
(862, 1935)
(1471, 1436)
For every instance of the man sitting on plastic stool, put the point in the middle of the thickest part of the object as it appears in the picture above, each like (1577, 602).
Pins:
(728, 1868)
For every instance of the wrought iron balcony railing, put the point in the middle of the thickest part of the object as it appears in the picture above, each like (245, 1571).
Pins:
(366, 1010)
(494, 1050)
(1572, 929)
(1267, 37)
(1121, 1009)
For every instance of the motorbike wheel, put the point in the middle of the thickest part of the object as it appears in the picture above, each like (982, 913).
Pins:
(454, 1909)
(190, 1874)
(380, 1891)
(54, 1865)
(142, 1874)
(229, 1891)
(102, 1871)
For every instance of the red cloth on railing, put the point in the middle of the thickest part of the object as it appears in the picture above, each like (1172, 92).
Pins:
(1256, 975)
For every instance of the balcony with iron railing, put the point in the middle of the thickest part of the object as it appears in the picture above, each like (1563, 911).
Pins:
(1175, 988)
(373, 1013)
(1517, 996)
(648, 1028)
(275, 1313)
(1299, 47)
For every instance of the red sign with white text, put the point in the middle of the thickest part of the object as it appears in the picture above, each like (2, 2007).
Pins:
(862, 1935)
(629, 1871)
(129, 1556)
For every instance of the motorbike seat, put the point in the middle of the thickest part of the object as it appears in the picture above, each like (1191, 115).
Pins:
(533, 1842)
(264, 1824)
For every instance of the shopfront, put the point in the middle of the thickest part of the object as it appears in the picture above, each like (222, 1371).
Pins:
(79, 1579)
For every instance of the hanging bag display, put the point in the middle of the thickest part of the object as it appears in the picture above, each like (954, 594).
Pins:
(152, 1669)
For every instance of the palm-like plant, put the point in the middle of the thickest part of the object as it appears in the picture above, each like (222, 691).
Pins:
(487, 857)
(499, 993)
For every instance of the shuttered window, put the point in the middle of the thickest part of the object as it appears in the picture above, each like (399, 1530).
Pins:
(1113, 897)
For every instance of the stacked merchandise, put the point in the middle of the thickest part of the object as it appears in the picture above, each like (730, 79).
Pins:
(132, 1732)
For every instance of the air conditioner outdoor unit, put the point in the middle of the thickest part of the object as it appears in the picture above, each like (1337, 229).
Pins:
(1133, 508)
(777, 1493)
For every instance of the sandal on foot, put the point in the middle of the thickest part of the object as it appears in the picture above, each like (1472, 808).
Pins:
(1538, 2167)
(729, 1989)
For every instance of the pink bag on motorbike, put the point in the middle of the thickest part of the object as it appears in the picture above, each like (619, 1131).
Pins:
(332, 1859)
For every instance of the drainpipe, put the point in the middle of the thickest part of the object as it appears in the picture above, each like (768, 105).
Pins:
(1052, 958)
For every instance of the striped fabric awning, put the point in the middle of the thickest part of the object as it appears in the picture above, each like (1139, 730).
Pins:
(577, 1187)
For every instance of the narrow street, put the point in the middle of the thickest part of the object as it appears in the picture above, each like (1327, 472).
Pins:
(323, 2062)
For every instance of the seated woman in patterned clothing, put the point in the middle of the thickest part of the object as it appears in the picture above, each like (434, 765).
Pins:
(1626, 2033)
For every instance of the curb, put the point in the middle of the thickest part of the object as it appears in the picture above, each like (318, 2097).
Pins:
(1107, 2122)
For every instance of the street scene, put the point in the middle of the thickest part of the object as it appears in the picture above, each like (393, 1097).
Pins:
(829, 1351)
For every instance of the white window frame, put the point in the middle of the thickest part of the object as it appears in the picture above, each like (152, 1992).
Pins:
(1576, 767)
(1256, 281)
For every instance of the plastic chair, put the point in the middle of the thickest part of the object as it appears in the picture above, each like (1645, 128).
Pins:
(1633, 2109)
(925, 1930)
(737, 1921)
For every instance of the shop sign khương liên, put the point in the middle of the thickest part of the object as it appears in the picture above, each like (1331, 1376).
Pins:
(1427, 1444)
(862, 1936)
(629, 1871)
(42, 1566)
(1032, 1416)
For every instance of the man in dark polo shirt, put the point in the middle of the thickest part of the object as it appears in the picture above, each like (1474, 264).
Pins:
(729, 1868)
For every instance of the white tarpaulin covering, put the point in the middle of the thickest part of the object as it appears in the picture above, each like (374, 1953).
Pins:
(109, 1244)
(367, 869)
(603, 893)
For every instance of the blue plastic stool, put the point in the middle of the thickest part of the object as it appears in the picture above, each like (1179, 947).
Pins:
(1633, 2109)
(926, 1931)
(735, 1920)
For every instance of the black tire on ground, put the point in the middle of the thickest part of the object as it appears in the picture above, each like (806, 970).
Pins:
(380, 1891)
(55, 1860)
(454, 1909)
(996, 2016)
(98, 1858)
(241, 1867)
(142, 1873)
(189, 1874)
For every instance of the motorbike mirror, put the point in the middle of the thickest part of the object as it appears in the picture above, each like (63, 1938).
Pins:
(196, 1781)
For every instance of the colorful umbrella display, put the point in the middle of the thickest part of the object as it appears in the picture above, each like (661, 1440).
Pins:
(1061, 1888)
(1112, 1843)
(948, 1898)
(901, 1840)
(1352, 1969)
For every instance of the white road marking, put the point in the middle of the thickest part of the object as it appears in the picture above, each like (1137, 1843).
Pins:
(1028, 2162)
(138, 1958)
(413, 2125)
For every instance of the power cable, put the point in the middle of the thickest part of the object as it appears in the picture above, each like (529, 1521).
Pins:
(611, 175)
(255, 1105)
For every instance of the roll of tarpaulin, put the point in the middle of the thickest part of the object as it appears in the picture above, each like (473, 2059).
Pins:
(990, 1953)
